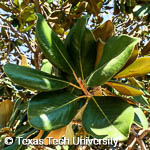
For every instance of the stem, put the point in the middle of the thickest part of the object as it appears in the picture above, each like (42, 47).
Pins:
(74, 86)
(82, 85)
(37, 6)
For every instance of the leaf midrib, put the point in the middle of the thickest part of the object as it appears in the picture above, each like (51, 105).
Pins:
(75, 99)
(103, 66)
(100, 109)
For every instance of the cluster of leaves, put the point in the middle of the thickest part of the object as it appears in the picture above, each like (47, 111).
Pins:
(87, 86)
(81, 87)
(139, 8)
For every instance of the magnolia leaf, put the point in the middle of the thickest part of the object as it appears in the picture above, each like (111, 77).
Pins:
(6, 109)
(141, 100)
(49, 1)
(97, 91)
(80, 112)
(24, 30)
(15, 145)
(125, 89)
(24, 61)
(58, 29)
(141, 10)
(18, 2)
(2, 90)
(140, 118)
(93, 7)
(81, 44)
(52, 47)
(33, 79)
(138, 68)
(116, 8)
(117, 51)
(27, 14)
(55, 134)
(136, 83)
(132, 58)
(46, 66)
(69, 133)
(146, 49)
(39, 136)
(104, 31)
(52, 110)
(108, 117)
(100, 50)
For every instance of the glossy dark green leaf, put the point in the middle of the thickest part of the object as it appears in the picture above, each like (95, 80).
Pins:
(108, 117)
(140, 118)
(16, 145)
(81, 47)
(117, 51)
(52, 47)
(141, 10)
(33, 79)
(1, 90)
(141, 100)
(52, 110)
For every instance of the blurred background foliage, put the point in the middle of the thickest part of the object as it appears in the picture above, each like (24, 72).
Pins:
(18, 44)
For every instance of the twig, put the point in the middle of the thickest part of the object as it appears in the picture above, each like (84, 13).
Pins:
(74, 85)
(141, 143)
(82, 85)
(11, 28)
(1, 74)
(143, 133)
(37, 6)
(24, 38)
(138, 25)
(138, 138)
(36, 60)
(132, 144)
(28, 44)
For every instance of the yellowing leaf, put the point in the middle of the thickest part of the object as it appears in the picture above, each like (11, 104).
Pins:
(55, 134)
(140, 67)
(105, 31)
(136, 83)
(133, 56)
(125, 89)
(80, 112)
(58, 29)
(97, 91)
(100, 49)
(6, 108)
(24, 61)
(69, 133)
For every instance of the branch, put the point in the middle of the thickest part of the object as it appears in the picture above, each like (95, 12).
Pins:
(138, 137)
(37, 6)
(138, 25)
(24, 38)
